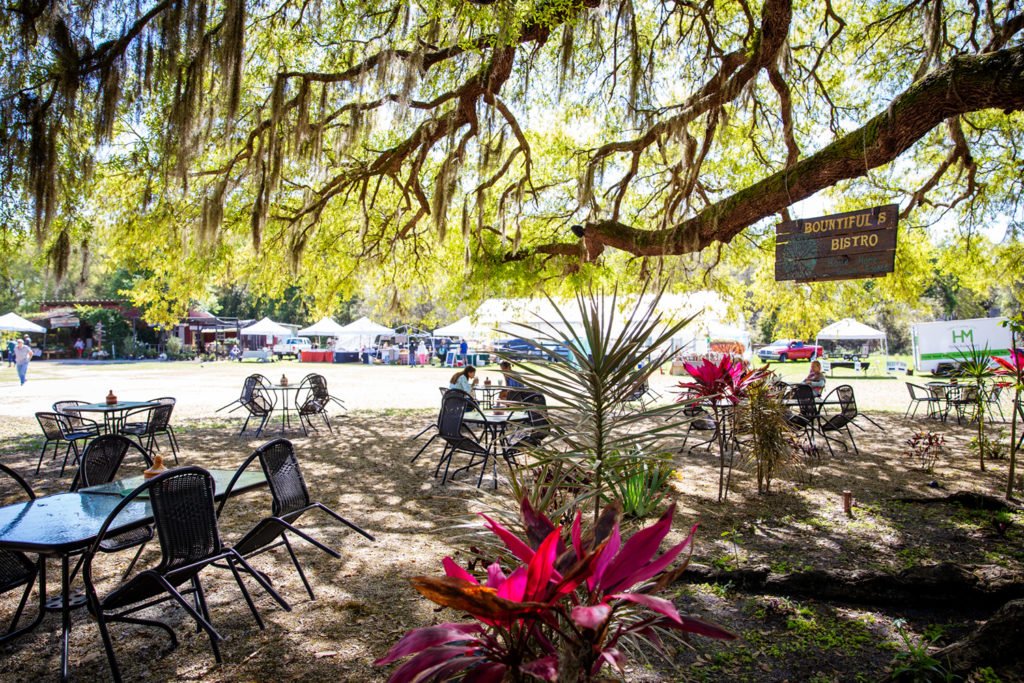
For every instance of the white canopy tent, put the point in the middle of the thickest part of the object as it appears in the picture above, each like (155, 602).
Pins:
(850, 330)
(464, 328)
(12, 322)
(327, 327)
(265, 328)
(365, 327)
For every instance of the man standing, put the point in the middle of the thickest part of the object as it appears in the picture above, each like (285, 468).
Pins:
(22, 356)
(464, 352)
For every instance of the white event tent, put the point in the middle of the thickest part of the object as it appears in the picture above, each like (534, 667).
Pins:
(265, 328)
(351, 336)
(327, 327)
(463, 328)
(12, 322)
(850, 330)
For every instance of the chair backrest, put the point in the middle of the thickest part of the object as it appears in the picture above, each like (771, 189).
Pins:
(184, 516)
(454, 406)
(847, 401)
(74, 419)
(917, 392)
(251, 384)
(13, 474)
(159, 418)
(53, 425)
(165, 400)
(100, 460)
(803, 394)
(826, 365)
(318, 384)
(281, 468)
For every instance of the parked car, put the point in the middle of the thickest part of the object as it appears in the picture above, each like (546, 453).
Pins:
(292, 346)
(790, 349)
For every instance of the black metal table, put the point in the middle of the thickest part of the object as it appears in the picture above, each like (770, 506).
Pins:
(65, 524)
(284, 391)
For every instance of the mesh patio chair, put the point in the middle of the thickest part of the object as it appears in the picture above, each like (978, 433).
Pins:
(156, 422)
(57, 430)
(312, 399)
(255, 379)
(532, 432)
(257, 401)
(993, 401)
(699, 419)
(963, 399)
(919, 395)
(459, 437)
(806, 417)
(183, 514)
(322, 381)
(74, 418)
(17, 570)
(291, 500)
(99, 464)
(841, 421)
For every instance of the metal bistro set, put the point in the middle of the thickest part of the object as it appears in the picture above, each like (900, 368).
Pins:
(106, 512)
(942, 398)
(261, 398)
(496, 422)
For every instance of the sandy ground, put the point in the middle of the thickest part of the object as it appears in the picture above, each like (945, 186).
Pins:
(202, 388)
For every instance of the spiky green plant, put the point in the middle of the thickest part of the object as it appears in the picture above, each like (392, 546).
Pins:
(611, 354)
(976, 368)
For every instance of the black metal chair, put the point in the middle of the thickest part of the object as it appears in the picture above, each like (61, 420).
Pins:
(460, 438)
(156, 422)
(75, 419)
(841, 421)
(534, 430)
(963, 398)
(182, 501)
(291, 500)
(806, 417)
(255, 378)
(433, 437)
(17, 570)
(99, 464)
(919, 395)
(312, 399)
(322, 381)
(57, 430)
(257, 401)
(993, 402)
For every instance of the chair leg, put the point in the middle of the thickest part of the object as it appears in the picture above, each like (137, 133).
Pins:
(298, 567)
(174, 445)
(108, 645)
(42, 453)
(264, 584)
(423, 448)
(180, 599)
(205, 610)
(350, 525)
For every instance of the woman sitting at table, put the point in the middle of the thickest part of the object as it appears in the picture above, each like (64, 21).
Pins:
(815, 378)
(464, 380)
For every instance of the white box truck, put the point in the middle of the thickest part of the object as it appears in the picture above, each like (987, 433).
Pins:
(943, 342)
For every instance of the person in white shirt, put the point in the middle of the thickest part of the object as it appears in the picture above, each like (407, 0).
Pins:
(22, 356)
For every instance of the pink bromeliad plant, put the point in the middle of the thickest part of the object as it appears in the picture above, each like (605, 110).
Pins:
(728, 379)
(560, 614)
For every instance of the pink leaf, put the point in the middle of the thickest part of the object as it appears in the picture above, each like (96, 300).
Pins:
(637, 552)
(514, 587)
(511, 541)
(577, 535)
(700, 627)
(426, 660)
(422, 638)
(542, 566)
(452, 569)
(613, 658)
(658, 565)
(591, 617)
(495, 577)
(545, 668)
(607, 555)
(486, 673)
(659, 605)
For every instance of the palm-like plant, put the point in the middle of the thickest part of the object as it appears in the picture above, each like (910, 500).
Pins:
(611, 355)
(1013, 369)
(976, 368)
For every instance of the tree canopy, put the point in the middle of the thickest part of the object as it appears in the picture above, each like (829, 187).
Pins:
(452, 148)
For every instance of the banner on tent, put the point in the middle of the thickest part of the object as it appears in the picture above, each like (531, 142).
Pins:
(843, 246)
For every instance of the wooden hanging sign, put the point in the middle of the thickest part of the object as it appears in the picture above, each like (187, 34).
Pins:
(843, 246)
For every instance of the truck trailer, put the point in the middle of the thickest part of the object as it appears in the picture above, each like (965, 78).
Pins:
(941, 345)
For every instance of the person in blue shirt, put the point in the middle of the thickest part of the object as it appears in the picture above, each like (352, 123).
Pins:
(464, 352)
(464, 380)
(506, 370)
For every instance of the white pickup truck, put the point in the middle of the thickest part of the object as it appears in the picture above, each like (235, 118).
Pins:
(292, 346)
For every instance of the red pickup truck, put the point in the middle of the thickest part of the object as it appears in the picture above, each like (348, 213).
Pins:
(790, 349)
